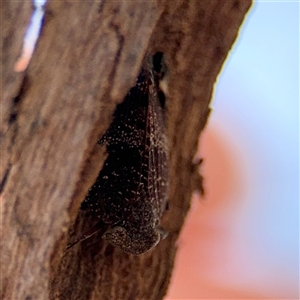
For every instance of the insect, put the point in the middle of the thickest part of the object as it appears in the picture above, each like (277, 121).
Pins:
(130, 193)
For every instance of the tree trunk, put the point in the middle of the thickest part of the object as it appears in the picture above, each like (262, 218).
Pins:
(87, 57)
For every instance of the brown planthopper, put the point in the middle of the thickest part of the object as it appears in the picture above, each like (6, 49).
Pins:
(130, 193)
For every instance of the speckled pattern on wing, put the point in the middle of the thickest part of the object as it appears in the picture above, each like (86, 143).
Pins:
(130, 192)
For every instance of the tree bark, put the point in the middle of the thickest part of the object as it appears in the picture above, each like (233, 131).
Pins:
(87, 57)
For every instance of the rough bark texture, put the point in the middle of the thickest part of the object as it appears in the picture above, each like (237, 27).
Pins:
(87, 58)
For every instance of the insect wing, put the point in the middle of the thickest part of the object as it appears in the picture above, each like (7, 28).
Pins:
(158, 155)
(122, 179)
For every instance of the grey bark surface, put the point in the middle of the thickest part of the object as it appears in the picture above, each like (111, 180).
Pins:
(88, 56)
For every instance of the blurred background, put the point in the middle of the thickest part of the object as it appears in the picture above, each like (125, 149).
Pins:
(241, 241)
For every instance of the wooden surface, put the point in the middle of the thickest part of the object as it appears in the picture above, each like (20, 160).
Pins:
(87, 58)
